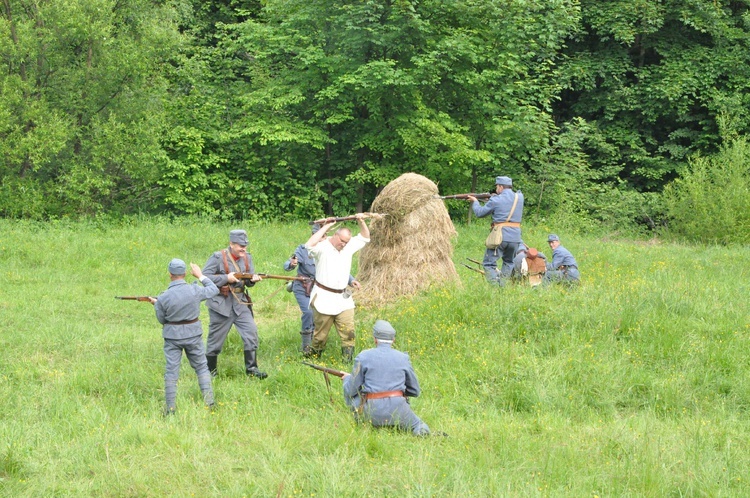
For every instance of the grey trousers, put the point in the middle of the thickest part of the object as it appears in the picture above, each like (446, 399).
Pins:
(218, 329)
(506, 251)
(394, 412)
(193, 347)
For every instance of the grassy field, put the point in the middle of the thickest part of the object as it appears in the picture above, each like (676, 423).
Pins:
(636, 383)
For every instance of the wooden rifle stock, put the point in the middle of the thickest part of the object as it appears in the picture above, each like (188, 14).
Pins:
(464, 196)
(134, 298)
(337, 373)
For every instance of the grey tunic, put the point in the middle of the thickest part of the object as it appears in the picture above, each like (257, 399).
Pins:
(499, 206)
(563, 266)
(231, 310)
(383, 369)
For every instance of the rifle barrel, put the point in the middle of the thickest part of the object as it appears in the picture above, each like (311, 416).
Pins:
(325, 221)
(465, 196)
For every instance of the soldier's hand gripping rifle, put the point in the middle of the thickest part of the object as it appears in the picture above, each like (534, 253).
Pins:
(146, 299)
(463, 196)
(325, 221)
(326, 371)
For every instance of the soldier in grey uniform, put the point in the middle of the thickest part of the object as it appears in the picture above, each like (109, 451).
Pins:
(178, 309)
(380, 382)
(506, 209)
(305, 265)
(563, 267)
(232, 305)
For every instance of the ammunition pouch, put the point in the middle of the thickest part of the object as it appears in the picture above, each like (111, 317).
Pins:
(307, 285)
(224, 290)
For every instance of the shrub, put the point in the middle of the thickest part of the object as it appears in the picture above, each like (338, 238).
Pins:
(710, 201)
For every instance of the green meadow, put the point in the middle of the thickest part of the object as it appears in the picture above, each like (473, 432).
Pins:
(635, 383)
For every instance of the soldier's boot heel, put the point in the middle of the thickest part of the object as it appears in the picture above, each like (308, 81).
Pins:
(251, 366)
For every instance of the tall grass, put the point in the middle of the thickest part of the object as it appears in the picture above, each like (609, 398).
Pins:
(636, 383)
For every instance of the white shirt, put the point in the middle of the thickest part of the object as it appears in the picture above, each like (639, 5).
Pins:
(332, 269)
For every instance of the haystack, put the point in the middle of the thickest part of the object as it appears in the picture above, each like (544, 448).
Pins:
(410, 248)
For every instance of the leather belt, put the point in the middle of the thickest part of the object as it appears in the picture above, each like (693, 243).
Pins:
(384, 394)
(563, 267)
(183, 322)
(337, 291)
(511, 224)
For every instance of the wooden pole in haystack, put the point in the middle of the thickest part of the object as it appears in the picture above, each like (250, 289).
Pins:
(410, 248)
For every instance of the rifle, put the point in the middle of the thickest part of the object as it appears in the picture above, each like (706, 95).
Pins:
(462, 196)
(134, 298)
(325, 221)
(326, 370)
(242, 276)
(473, 269)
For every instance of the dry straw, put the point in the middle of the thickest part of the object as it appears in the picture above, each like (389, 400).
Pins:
(411, 248)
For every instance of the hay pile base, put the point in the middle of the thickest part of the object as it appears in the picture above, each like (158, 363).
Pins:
(411, 248)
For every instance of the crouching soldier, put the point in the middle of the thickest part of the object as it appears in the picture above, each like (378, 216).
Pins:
(563, 267)
(529, 266)
(380, 382)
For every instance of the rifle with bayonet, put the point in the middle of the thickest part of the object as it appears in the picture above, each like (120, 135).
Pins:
(325, 221)
(463, 196)
(135, 298)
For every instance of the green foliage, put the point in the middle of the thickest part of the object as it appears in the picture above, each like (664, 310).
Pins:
(80, 103)
(652, 76)
(710, 201)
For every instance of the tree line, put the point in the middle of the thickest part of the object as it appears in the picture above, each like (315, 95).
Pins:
(291, 108)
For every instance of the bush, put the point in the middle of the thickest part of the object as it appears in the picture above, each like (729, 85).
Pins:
(710, 201)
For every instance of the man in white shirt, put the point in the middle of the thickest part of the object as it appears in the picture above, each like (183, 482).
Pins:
(330, 301)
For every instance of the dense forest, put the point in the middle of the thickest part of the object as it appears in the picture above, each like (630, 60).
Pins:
(283, 109)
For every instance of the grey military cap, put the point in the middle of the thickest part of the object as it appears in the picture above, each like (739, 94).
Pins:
(177, 267)
(238, 237)
(551, 237)
(383, 331)
(505, 181)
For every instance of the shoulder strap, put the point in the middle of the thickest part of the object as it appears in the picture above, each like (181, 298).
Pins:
(224, 258)
(515, 201)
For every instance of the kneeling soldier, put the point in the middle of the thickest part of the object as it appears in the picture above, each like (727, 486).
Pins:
(381, 381)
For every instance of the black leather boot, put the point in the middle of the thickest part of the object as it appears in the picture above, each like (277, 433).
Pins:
(348, 353)
(212, 360)
(251, 366)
